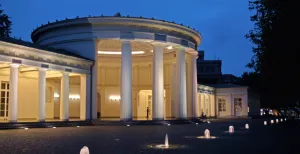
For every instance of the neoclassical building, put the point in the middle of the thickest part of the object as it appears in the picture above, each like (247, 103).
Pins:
(108, 68)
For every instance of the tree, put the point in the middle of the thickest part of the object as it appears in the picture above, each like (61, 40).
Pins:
(118, 14)
(5, 24)
(276, 56)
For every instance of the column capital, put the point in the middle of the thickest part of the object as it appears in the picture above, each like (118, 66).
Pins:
(125, 40)
(14, 65)
(64, 73)
(42, 69)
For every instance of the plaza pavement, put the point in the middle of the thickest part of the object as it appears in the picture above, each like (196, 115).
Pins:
(277, 138)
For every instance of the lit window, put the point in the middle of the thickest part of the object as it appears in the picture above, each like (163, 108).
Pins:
(222, 105)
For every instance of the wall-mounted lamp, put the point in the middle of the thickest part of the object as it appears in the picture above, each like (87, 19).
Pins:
(72, 97)
(114, 98)
(56, 95)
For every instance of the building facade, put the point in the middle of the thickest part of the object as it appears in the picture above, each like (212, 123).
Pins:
(208, 71)
(108, 68)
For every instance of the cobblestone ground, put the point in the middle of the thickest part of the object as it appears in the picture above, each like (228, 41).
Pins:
(278, 138)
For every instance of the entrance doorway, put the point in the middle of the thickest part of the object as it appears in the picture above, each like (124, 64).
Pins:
(4, 96)
(144, 105)
(237, 106)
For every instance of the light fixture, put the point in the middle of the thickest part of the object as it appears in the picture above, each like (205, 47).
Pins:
(75, 97)
(56, 95)
(151, 50)
(119, 52)
(114, 98)
(169, 47)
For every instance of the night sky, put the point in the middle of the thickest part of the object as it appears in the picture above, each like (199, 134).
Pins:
(222, 23)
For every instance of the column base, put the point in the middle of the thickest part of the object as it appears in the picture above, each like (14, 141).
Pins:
(125, 120)
(64, 119)
(158, 119)
(41, 120)
(13, 121)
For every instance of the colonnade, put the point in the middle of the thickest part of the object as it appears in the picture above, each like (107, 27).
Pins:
(41, 106)
(158, 83)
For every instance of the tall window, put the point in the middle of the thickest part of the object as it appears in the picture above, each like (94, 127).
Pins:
(238, 104)
(222, 105)
(4, 95)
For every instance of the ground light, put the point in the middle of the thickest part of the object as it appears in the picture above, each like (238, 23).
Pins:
(85, 150)
(231, 129)
(272, 121)
(206, 135)
(208, 122)
(277, 120)
(281, 120)
(77, 126)
(166, 145)
(265, 123)
(246, 126)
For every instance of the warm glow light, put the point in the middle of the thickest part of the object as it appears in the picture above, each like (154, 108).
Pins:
(56, 95)
(119, 52)
(114, 97)
(74, 97)
(169, 47)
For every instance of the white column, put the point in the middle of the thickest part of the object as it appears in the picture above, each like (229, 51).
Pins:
(204, 105)
(94, 85)
(181, 83)
(13, 93)
(42, 95)
(173, 90)
(209, 104)
(84, 96)
(126, 82)
(158, 84)
(193, 78)
(64, 97)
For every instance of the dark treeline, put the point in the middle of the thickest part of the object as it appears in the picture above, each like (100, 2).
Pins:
(276, 60)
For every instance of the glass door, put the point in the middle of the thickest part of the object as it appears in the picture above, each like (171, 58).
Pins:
(149, 105)
(4, 95)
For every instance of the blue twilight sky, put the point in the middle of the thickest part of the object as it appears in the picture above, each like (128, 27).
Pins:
(222, 23)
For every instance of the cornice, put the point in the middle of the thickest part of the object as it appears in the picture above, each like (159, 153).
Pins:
(89, 21)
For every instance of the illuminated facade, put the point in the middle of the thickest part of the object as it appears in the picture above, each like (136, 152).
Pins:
(103, 67)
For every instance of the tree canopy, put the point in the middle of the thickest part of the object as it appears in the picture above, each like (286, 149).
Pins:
(5, 24)
(276, 60)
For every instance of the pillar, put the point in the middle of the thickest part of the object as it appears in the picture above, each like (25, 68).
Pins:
(173, 87)
(13, 93)
(85, 96)
(209, 104)
(204, 104)
(181, 83)
(193, 85)
(41, 95)
(158, 84)
(64, 97)
(126, 82)
(94, 85)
